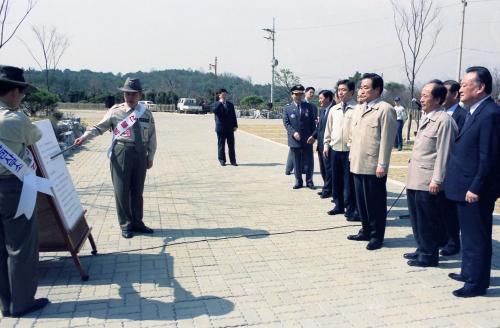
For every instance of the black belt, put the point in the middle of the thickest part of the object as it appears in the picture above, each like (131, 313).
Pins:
(10, 176)
(125, 143)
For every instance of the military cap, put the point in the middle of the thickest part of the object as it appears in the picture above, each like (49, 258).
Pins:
(14, 76)
(131, 85)
(221, 90)
(397, 98)
(298, 88)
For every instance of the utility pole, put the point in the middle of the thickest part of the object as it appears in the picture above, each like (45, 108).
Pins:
(274, 61)
(214, 67)
(459, 68)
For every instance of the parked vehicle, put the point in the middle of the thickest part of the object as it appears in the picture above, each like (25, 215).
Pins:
(148, 104)
(189, 105)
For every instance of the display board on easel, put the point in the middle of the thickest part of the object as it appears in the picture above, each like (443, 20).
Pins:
(62, 224)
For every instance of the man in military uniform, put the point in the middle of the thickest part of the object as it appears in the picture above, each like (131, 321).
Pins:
(299, 119)
(131, 153)
(18, 235)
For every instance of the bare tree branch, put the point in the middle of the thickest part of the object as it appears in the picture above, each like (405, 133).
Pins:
(5, 36)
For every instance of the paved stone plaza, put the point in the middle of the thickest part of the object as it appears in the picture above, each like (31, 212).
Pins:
(273, 258)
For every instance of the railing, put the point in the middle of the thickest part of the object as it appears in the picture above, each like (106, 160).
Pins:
(97, 106)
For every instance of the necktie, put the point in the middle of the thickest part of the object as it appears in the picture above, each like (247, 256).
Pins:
(139, 146)
(300, 110)
(468, 116)
(344, 107)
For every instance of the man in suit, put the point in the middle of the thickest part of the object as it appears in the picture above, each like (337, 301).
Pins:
(448, 223)
(472, 180)
(18, 234)
(372, 137)
(225, 126)
(299, 120)
(426, 172)
(326, 102)
(337, 131)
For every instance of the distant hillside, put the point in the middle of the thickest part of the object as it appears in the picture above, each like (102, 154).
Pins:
(161, 86)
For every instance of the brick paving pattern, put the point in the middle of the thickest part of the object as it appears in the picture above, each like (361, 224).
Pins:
(294, 268)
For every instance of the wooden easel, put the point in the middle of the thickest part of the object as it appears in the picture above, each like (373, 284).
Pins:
(53, 236)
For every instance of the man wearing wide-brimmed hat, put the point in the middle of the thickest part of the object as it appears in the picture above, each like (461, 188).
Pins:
(131, 153)
(18, 234)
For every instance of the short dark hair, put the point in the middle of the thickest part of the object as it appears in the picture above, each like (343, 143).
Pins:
(438, 91)
(377, 81)
(327, 94)
(6, 87)
(350, 84)
(310, 88)
(454, 85)
(483, 76)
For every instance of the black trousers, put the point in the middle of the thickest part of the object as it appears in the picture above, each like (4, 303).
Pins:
(476, 222)
(424, 216)
(343, 183)
(128, 173)
(325, 168)
(18, 251)
(371, 200)
(449, 228)
(289, 161)
(302, 157)
(222, 138)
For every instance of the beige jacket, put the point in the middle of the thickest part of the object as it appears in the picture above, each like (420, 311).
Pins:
(118, 113)
(338, 127)
(17, 132)
(432, 145)
(373, 133)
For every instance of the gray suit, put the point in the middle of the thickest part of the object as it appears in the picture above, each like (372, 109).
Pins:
(428, 164)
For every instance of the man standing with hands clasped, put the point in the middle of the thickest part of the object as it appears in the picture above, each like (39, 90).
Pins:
(373, 133)
(472, 180)
(225, 126)
(131, 153)
(426, 173)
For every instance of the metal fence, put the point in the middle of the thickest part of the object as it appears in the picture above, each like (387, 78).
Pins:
(93, 106)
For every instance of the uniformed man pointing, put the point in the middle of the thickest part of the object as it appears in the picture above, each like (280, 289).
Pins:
(131, 154)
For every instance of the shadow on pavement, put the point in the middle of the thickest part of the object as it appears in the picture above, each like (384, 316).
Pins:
(130, 271)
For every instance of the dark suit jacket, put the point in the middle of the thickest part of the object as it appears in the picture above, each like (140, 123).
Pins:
(473, 162)
(225, 117)
(319, 133)
(459, 116)
(304, 124)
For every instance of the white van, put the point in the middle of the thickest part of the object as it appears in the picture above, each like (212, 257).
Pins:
(189, 105)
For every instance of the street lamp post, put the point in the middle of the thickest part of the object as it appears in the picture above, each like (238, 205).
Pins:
(274, 61)
(461, 44)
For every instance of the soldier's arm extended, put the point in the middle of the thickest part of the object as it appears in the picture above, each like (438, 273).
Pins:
(97, 129)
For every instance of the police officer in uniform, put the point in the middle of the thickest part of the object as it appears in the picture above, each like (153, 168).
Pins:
(132, 153)
(18, 236)
(299, 119)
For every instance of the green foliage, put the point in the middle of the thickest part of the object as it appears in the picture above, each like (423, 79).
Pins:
(252, 101)
(41, 100)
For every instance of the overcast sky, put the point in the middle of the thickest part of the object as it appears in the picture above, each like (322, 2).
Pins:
(320, 40)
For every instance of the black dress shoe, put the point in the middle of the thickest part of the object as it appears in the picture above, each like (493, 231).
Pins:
(5, 314)
(465, 292)
(234, 164)
(37, 305)
(127, 234)
(311, 186)
(143, 229)
(457, 277)
(323, 196)
(320, 193)
(297, 186)
(288, 173)
(417, 263)
(358, 237)
(449, 252)
(374, 244)
(335, 211)
(222, 164)
(410, 256)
